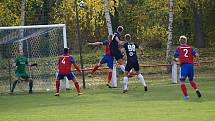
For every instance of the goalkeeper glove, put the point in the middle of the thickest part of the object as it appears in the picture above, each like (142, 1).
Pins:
(33, 64)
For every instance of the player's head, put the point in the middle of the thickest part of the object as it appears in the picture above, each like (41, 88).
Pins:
(128, 37)
(66, 50)
(183, 40)
(110, 36)
(120, 29)
(20, 52)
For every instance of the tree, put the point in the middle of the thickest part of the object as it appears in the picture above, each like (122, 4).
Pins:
(107, 17)
(170, 30)
(9, 13)
(196, 9)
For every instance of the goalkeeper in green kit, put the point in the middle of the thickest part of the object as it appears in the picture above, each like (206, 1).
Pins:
(21, 75)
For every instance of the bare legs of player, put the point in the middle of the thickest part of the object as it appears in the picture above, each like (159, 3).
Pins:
(125, 81)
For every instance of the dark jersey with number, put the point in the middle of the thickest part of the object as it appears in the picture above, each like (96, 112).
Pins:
(185, 54)
(114, 44)
(130, 48)
(65, 63)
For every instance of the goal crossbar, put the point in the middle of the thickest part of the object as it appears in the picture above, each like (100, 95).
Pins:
(40, 26)
(32, 26)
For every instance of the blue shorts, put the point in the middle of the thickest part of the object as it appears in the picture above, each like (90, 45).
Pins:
(187, 70)
(107, 59)
(70, 76)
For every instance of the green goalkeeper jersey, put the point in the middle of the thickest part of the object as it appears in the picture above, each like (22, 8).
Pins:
(21, 63)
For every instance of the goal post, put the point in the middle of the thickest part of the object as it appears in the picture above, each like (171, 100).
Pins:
(41, 44)
(174, 73)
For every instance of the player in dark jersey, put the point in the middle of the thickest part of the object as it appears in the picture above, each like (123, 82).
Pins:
(64, 69)
(185, 54)
(132, 62)
(107, 58)
(114, 47)
(21, 74)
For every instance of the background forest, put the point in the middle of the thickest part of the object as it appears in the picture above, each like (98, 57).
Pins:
(145, 20)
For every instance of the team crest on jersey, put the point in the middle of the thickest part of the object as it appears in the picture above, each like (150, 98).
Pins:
(131, 53)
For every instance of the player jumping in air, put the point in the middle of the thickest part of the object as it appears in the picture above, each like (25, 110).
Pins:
(107, 58)
(132, 62)
(185, 54)
(21, 75)
(64, 67)
(114, 47)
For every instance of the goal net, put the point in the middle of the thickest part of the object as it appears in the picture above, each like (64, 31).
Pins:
(41, 44)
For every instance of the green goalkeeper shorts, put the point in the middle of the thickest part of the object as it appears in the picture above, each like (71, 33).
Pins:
(22, 75)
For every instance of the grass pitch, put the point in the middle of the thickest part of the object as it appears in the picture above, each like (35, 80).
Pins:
(163, 102)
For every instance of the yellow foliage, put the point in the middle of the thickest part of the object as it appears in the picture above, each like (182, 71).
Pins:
(8, 18)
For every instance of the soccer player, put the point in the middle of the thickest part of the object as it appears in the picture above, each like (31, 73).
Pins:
(21, 75)
(64, 69)
(107, 58)
(185, 54)
(132, 62)
(114, 47)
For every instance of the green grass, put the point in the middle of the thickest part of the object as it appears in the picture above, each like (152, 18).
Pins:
(163, 102)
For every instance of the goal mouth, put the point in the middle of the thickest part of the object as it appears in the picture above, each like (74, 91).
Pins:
(41, 44)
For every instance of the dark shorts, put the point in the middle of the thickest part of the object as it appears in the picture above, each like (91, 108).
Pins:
(187, 70)
(22, 75)
(130, 65)
(116, 54)
(70, 76)
(107, 59)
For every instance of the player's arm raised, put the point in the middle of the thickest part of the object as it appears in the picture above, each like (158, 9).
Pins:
(95, 43)
(119, 41)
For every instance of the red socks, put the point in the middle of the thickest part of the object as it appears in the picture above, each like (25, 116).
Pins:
(193, 84)
(109, 77)
(184, 89)
(95, 68)
(57, 86)
(77, 87)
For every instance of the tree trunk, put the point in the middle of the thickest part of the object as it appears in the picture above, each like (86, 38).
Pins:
(199, 40)
(22, 24)
(46, 8)
(170, 30)
(79, 40)
(107, 17)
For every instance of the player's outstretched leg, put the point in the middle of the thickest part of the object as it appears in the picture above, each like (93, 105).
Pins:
(122, 67)
(77, 86)
(57, 88)
(194, 85)
(141, 78)
(121, 64)
(95, 69)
